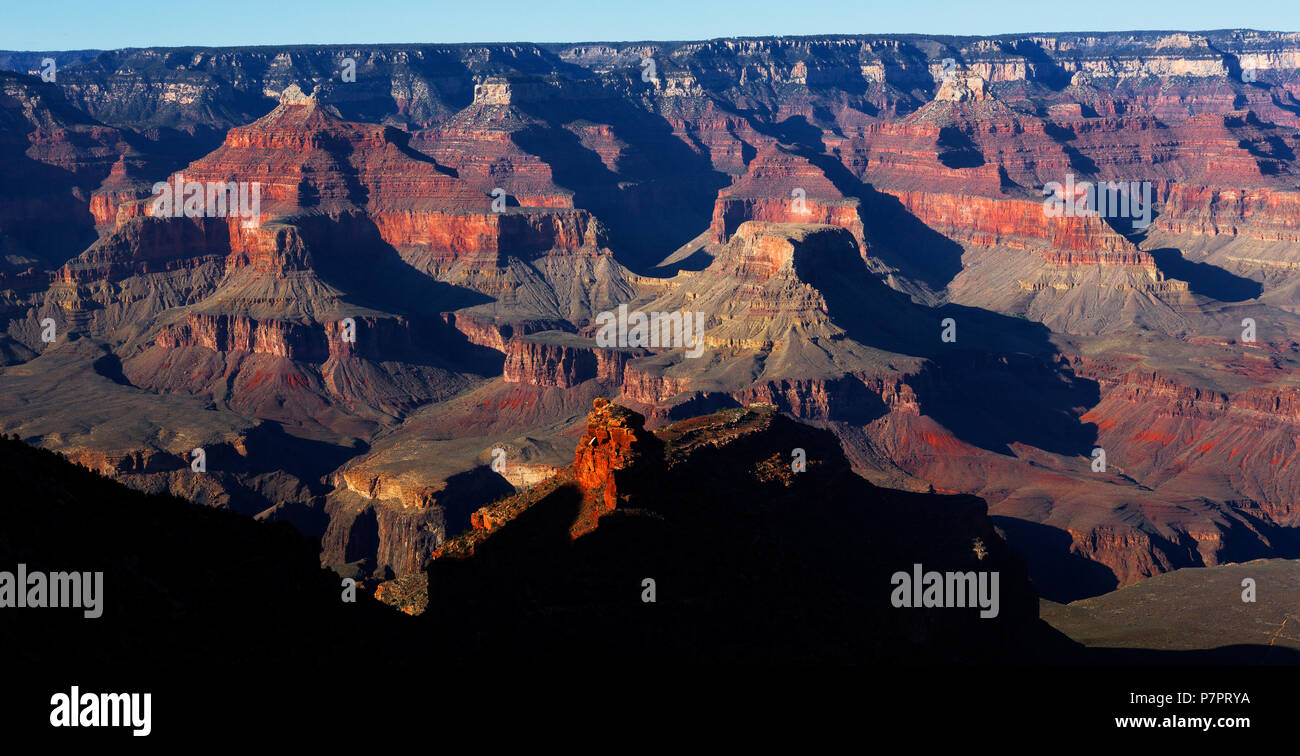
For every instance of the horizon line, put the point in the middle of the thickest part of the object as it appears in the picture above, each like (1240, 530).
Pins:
(658, 41)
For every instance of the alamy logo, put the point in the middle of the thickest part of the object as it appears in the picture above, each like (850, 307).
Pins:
(946, 590)
(799, 201)
(1112, 199)
(654, 330)
(37, 590)
(214, 199)
(77, 709)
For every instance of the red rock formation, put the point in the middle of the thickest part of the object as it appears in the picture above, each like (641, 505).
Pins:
(613, 446)
(1259, 214)
(1021, 223)
(942, 198)
(782, 187)
(1233, 446)
(117, 198)
(646, 386)
(494, 334)
(478, 143)
(52, 157)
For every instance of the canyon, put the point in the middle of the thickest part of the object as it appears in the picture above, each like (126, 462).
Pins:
(860, 219)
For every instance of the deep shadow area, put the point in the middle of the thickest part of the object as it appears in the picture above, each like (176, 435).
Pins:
(1205, 279)
(1001, 381)
(1058, 575)
(349, 253)
(306, 459)
(51, 201)
(207, 607)
(1046, 70)
(992, 401)
(110, 366)
(184, 585)
(797, 132)
(696, 261)
(746, 567)
(466, 491)
(1063, 136)
(956, 150)
(659, 194)
(897, 237)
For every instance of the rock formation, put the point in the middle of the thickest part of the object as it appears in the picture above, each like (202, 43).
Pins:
(860, 221)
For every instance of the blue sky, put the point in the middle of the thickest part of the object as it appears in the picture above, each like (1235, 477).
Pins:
(81, 24)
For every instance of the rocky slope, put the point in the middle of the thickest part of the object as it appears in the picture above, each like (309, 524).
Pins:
(1194, 609)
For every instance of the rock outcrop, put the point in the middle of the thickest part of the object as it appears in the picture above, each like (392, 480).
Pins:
(611, 455)
(682, 514)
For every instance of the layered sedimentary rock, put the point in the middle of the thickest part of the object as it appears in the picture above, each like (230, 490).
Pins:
(1234, 443)
(562, 360)
(782, 187)
(446, 461)
(478, 142)
(859, 222)
(53, 157)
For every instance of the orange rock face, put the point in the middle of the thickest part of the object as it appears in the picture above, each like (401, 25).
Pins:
(613, 445)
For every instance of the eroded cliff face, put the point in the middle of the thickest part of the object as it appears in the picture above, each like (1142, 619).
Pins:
(1263, 214)
(387, 535)
(827, 204)
(1235, 445)
(223, 333)
(553, 359)
(782, 187)
(1021, 224)
(53, 158)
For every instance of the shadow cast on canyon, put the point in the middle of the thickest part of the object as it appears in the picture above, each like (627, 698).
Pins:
(1206, 279)
(957, 150)
(893, 234)
(1058, 574)
(658, 194)
(1001, 380)
(387, 283)
(741, 570)
(59, 225)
